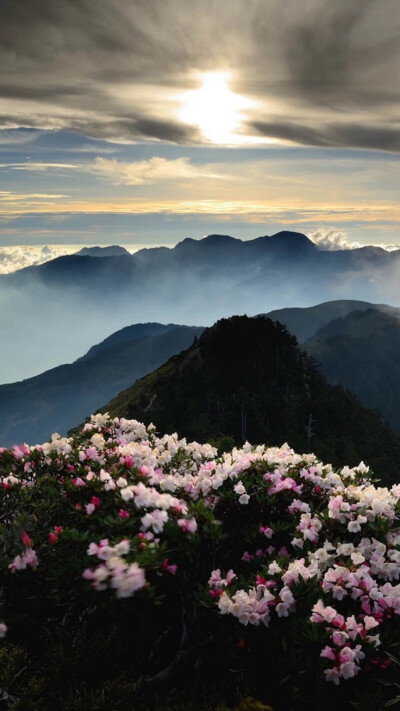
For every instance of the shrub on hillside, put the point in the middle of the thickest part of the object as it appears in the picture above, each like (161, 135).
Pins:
(142, 571)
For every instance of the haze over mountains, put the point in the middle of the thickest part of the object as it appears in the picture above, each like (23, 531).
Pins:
(357, 344)
(56, 400)
(62, 307)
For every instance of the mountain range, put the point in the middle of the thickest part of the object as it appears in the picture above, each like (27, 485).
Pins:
(84, 298)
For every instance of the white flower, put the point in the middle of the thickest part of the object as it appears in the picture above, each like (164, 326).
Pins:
(239, 488)
(274, 568)
(353, 527)
(357, 558)
(155, 520)
(122, 548)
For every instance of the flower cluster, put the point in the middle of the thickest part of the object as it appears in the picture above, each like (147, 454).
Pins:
(304, 540)
(344, 651)
(125, 578)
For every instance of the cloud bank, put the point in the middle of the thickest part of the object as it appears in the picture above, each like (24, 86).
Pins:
(330, 239)
(14, 258)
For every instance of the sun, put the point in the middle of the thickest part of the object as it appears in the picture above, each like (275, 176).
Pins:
(214, 108)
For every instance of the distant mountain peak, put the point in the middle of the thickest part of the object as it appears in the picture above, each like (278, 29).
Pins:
(284, 239)
(113, 250)
(214, 240)
(219, 239)
(293, 239)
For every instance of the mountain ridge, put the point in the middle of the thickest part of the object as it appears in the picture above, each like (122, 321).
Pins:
(32, 409)
(247, 378)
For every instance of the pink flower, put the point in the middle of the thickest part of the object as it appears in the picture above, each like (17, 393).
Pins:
(18, 563)
(188, 525)
(348, 670)
(78, 482)
(123, 514)
(3, 630)
(169, 568)
(340, 638)
(370, 622)
(31, 557)
(230, 576)
(328, 653)
(215, 578)
(266, 530)
(322, 613)
(28, 558)
(338, 621)
(332, 675)
(26, 540)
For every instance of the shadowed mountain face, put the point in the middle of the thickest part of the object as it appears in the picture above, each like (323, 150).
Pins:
(246, 378)
(31, 410)
(305, 322)
(74, 301)
(357, 345)
(361, 351)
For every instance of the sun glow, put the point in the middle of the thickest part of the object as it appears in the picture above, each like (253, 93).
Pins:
(215, 109)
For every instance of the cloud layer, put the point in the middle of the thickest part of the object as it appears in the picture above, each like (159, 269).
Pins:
(319, 72)
(18, 257)
(149, 171)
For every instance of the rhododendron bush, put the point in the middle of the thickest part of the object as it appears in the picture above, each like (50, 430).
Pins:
(263, 558)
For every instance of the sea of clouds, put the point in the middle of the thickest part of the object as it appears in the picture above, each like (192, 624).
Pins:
(20, 256)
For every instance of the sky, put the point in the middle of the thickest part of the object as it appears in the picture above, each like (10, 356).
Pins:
(148, 121)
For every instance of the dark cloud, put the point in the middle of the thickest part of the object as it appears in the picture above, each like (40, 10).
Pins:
(321, 54)
(334, 135)
(102, 68)
(166, 131)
